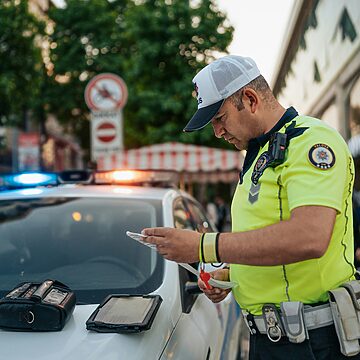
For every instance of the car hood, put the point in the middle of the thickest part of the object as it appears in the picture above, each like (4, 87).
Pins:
(74, 342)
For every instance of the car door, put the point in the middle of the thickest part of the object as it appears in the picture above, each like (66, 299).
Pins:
(228, 310)
(199, 331)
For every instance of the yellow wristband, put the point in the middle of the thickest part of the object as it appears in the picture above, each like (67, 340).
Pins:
(209, 248)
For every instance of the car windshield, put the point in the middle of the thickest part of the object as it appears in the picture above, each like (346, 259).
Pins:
(80, 242)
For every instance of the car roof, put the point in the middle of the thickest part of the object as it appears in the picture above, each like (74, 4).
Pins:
(74, 190)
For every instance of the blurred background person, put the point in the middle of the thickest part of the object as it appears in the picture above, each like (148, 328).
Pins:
(354, 147)
(222, 213)
(211, 211)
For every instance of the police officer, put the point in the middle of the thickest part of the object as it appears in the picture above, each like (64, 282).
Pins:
(354, 147)
(291, 238)
(221, 213)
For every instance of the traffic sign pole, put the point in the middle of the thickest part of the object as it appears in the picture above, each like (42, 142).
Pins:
(121, 130)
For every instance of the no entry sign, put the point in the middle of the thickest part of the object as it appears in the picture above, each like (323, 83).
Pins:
(106, 132)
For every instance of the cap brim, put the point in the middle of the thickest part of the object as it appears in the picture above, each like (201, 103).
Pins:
(202, 117)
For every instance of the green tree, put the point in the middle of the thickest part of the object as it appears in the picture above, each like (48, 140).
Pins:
(20, 61)
(156, 46)
(85, 42)
(170, 43)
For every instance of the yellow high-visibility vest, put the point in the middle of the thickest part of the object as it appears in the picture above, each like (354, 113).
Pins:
(318, 170)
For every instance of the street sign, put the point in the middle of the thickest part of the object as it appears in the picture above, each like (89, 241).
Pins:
(106, 92)
(105, 95)
(106, 132)
(106, 137)
(28, 151)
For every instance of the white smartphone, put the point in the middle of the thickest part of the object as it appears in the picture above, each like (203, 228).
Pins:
(140, 237)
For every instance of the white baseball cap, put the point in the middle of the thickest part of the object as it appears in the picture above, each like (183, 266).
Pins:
(216, 82)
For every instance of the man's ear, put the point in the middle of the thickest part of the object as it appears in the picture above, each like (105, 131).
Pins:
(251, 99)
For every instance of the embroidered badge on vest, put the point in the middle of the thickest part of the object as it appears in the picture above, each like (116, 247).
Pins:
(261, 164)
(322, 156)
(254, 193)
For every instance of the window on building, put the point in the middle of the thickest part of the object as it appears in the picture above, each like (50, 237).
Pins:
(347, 27)
(317, 76)
(311, 22)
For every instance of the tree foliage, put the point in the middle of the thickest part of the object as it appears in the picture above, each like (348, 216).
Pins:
(156, 46)
(83, 44)
(166, 48)
(20, 60)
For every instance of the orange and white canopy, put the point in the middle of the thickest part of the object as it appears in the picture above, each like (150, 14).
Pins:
(197, 163)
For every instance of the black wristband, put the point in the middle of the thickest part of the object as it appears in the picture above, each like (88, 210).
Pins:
(202, 248)
(217, 247)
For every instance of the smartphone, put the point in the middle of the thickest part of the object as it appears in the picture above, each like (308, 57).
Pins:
(136, 236)
(140, 237)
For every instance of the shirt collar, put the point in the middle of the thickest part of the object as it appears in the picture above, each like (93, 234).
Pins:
(289, 114)
(257, 143)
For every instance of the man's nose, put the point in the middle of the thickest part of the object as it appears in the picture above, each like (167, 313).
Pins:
(218, 130)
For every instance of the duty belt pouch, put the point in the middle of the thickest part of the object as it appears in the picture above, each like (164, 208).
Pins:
(293, 320)
(37, 307)
(353, 288)
(346, 321)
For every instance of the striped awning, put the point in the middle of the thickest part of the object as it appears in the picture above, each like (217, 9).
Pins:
(197, 163)
(181, 157)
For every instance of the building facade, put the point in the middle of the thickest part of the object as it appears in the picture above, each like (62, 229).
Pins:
(318, 70)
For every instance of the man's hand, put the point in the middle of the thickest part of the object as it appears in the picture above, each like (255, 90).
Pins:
(215, 294)
(174, 244)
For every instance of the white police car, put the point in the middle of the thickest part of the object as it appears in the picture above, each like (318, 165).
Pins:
(75, 232)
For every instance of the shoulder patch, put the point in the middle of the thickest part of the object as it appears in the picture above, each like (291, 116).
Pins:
(322, 156)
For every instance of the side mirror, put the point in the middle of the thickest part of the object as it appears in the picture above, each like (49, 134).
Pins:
(192, 288)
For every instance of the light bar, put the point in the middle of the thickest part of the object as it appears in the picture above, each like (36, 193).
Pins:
(117, 176)
(75, 177)
(137, 177)
(125, 175)
(30, 179)
(162, 178)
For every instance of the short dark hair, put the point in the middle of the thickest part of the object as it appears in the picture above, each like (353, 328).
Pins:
(260, 85)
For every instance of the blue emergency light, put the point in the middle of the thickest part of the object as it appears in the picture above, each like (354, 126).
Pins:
(29, 179)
